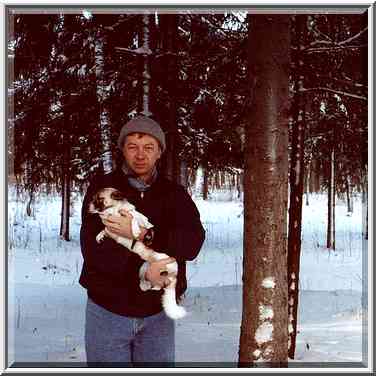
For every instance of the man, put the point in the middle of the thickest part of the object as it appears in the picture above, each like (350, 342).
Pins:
(124, 325)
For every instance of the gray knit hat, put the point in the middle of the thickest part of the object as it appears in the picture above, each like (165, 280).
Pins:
(142, 124)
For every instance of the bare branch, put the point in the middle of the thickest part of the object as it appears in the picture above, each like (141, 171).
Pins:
(353, 37)
(334, 48)
(335, 45)
(138, 51)
(347, 81)
(361, 97)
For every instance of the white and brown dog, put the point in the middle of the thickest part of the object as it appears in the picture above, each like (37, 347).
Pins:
(109, 201)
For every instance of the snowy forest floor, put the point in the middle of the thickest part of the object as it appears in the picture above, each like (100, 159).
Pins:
(46, 303)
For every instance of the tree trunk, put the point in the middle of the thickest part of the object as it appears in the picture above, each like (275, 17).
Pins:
(29, 206)
(330, 239)
(205, 183)
(145, 39)
(296, 187)
(65, 202)
(29, 187)
(308, 182)
(349, 196)
(365, 204)
(65, 101)
(102, 97)
(366, 225)
(239, 183)
(264, 327)
(169, 31)
(315, 176)
(217, 183)
(65, 173)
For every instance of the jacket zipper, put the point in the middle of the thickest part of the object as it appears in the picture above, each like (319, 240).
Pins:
(142, 194)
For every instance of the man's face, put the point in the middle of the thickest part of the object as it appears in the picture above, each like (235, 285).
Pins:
(141, 152)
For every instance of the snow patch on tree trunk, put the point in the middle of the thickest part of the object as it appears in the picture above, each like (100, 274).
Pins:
(266, 312)
(268, 283)
(264, 333)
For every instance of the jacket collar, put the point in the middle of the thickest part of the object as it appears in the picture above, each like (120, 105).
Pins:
(135, 181)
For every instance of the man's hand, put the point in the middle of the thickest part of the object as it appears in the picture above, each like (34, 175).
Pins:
(153, 273)
(121, 225)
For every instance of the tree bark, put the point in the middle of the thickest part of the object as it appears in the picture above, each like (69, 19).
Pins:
(364, 184)
(239, 184)
(349, 196)
(308, 182)
(295, 227)
(264, 327)
(205, 183)
(296, 186)
(29, 187)
(169, 31)
(315, 176)
(65, 174)
(330, 238)
(144, 105)
(64, 99)
(102, 97)
(65, 202)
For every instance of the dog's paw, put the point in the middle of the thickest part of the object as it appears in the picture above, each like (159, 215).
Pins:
(100, 237)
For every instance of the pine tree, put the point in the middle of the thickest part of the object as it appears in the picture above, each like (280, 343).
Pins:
(264, 328)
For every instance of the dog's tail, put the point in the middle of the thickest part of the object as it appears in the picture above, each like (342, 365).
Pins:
(170, 306)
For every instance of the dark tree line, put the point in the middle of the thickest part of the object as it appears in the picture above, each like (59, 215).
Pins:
(80, 76)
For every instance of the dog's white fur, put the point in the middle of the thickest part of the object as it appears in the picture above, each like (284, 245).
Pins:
(112, 205)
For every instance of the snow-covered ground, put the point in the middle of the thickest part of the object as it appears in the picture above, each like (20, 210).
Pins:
(46, 303)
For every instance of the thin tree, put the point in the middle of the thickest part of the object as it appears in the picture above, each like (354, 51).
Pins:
(64, 103)
(364, 186)
(349, 195)
(66, 178)
(330, 238)
(296, 178)
(264, 327)
(145, 52)
(102, 89)
(205, 181)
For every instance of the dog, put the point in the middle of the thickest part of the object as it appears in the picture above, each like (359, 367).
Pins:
(109, 201)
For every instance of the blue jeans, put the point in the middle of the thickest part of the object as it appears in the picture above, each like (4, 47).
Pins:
(112, 340)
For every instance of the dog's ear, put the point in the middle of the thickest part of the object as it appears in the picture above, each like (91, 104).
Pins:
(92, 208)
(97, 203)
(117, 195)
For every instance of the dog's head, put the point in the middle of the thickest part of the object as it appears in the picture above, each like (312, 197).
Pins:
(104, 199)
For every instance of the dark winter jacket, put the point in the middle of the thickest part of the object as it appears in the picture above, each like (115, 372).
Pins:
(110, 271)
